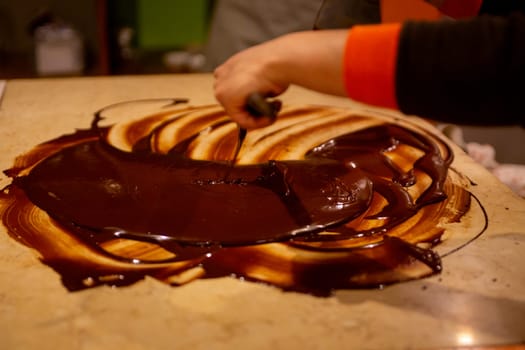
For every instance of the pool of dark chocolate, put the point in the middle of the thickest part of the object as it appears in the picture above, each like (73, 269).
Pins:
(224, 219)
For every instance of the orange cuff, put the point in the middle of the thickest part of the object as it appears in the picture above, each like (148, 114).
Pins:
(369, 64)
(461, 8)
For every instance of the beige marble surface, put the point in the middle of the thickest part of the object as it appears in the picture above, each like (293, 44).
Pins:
(479, 299)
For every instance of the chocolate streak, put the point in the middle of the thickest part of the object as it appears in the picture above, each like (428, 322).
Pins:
(225, 220)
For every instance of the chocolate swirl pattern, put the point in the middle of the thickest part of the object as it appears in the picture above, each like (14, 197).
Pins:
(325, 198)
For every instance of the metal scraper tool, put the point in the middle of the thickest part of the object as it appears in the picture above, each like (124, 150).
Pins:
(259, 107)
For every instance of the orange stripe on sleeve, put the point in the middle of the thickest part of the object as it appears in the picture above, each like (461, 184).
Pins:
(369, 64)
(461, 8)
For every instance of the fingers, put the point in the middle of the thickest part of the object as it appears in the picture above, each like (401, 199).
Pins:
(236, 108)
(239, 77)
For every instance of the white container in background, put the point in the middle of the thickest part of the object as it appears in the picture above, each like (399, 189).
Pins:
(58, 50)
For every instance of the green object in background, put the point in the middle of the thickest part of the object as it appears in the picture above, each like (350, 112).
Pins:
(168, 24)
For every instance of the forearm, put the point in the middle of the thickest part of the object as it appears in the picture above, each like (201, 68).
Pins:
(313, 60)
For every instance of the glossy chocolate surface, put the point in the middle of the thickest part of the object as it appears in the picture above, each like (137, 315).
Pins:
(341, 216)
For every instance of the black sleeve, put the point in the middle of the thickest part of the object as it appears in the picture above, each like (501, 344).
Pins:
(465, 72)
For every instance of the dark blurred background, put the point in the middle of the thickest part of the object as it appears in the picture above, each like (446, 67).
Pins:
(108, 37)
(100, 37)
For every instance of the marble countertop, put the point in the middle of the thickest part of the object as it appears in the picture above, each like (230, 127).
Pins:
(478, 300)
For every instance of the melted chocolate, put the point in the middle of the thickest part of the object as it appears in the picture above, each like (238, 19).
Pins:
(169, 197)
(226, 220)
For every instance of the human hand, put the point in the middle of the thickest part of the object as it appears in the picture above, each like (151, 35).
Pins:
(311, 59)
(254, 70)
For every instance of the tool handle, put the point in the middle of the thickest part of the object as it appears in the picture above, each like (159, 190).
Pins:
(258, 106)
